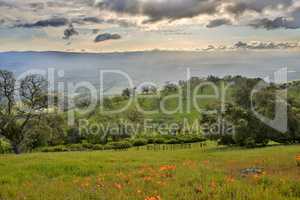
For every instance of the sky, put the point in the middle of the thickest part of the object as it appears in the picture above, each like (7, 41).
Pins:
(138, 25)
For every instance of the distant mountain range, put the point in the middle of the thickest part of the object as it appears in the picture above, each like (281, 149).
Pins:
(153, 66)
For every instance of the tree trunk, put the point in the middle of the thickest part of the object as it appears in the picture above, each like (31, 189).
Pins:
(16, 149)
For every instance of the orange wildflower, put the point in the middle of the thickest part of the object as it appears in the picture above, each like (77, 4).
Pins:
(118, 186)
(161, 183)
(28, 184)
(147, 178)
(167, 175)
(99, 182)
(256, 177)
(167, 168)
(85, 183)
(100, 185)
(213, 185)
(259, 162)
(229, 179)
(206, 162)
(199, 189)
(189, 163)
(298, 160)
(146, 168)
(153, 198)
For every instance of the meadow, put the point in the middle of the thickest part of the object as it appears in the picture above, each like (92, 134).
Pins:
(196, 173)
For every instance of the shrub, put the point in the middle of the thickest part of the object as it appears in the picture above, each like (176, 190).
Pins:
(4, 147)
(59, 148)
(87, 145)
(98, 147)
(159, 141)
(195, 139)
(139, 142)
(250, 142)
(151, 140)
(172, 141)
(185, 140)
(121, 145)
(226, 140)
(189, 139)
(76, 147)
(107, 147)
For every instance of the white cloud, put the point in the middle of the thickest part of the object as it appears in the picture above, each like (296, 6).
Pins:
(255, 45)
(163, 19)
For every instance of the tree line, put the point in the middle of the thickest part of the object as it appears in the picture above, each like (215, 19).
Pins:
(26, 124)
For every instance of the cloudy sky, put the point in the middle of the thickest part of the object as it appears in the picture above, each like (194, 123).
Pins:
(134, 25)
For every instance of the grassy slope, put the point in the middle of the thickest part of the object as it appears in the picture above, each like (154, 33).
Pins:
(172, 105)
(136, 174)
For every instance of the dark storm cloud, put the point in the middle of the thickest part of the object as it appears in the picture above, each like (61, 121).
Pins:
(96, 20)
(69, 32)
(218, 22)
(69, 3)
(269, 24)
(39, 6)
(53, 22)
(120, 22)
(58, 22)
(159, 10)
(176, 9)
(107, 36)
(293, 22)
(93, 20)
(6, 4)
(240, 7)
(53, 4)
(290, 21)
(267, 14)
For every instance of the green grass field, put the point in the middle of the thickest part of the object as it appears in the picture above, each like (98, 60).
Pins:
(142, 174)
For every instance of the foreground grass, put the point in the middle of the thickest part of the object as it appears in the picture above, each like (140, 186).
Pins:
(141, 174)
